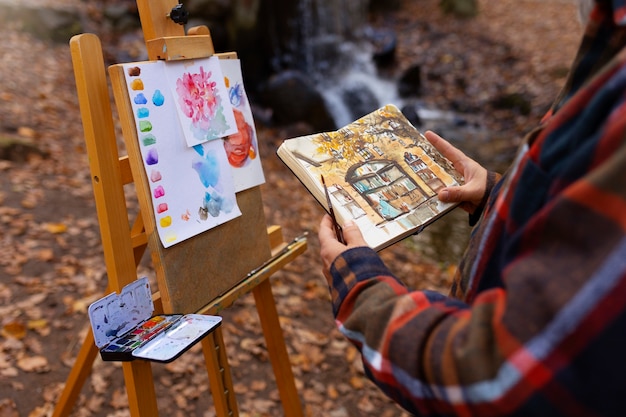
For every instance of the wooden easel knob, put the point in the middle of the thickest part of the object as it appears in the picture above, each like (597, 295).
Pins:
(179, 14)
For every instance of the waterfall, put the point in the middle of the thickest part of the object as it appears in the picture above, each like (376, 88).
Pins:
(338, 58)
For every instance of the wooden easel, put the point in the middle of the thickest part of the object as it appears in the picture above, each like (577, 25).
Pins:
(124, 244)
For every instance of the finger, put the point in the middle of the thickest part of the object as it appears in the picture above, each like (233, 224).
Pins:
(330, 247)
(352, 234)
(445, 148)
(326, 229)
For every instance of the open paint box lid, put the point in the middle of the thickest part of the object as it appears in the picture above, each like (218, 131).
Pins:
(125, 329)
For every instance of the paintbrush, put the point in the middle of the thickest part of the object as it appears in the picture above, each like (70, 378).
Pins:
(338, 231)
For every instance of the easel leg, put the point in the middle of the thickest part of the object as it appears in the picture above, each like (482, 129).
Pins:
(277, 349)
(140, 388)
(77, 377)
(220, 380)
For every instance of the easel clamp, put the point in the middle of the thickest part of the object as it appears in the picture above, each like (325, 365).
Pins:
(174, 48)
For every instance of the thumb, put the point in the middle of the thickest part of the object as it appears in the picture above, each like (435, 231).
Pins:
(352, 234)
(452, 194)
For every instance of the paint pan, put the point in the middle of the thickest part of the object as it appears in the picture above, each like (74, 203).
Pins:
(125, 328)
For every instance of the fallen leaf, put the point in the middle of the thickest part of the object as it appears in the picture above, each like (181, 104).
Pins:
(11, 372)
(258, 385)
(45, 255)
(37, 324)
(365, 405)
(240, 388)
(29, 202)
(38, 364)
(332, 392)
(351, 353)
(55, 228)
(357, 382)
(119, 400)
(98, 383)
(43, 411)
(14, 329)
(26, 132)
(8, 408)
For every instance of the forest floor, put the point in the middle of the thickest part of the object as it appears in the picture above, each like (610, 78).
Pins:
(51, 261)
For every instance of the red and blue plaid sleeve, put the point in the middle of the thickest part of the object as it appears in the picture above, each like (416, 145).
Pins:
(536, 321)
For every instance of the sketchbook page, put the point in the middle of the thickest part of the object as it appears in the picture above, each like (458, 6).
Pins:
(380, 172)
(301, 156)
(242, 148)
(192, 188)
(200, 99)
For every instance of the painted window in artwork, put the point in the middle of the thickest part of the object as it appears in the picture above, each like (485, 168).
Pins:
(386, 187)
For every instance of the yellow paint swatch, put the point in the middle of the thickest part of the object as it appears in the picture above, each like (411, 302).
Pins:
(166, 221)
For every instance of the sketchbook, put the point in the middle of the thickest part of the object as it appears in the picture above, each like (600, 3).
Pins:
(380, 172)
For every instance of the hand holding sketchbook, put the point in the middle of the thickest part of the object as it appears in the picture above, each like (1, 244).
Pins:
(379, 171)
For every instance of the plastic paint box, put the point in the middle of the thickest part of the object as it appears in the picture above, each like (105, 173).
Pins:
(124, 328)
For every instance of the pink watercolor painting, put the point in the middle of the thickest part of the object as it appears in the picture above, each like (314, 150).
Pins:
(203, 106)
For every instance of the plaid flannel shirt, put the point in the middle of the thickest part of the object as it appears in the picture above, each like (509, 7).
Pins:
(535, 324)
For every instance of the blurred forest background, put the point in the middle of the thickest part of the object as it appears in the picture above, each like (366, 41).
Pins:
(481, 76)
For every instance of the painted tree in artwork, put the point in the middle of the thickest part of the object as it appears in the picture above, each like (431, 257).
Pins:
(345, 145)
(348, 145)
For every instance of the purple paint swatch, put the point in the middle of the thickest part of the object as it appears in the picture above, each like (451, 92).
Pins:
(152, 157)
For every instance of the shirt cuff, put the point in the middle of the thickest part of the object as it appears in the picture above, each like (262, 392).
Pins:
(492, 179)
(351, 267)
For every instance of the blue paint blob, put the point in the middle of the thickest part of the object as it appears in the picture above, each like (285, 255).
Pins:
(199, 149)
(142, 113)
(140, 99)
(157, 98)
(214, 205)
(235, 95)
(152, 157)
(208, 169)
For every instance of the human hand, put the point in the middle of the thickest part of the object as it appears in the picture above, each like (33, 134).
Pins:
(331, 248)
(471, 193)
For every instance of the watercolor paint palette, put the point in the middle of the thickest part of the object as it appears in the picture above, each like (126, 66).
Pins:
(124, 328)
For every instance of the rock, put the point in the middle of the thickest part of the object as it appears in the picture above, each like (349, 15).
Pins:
(57, 25)
(411, 113)
(359, 99)
(209, 9)
(513, 101)
(384, 42)
(410, 82)
(292, 96)
(378, 6)
(121, 17)
(460, 8)
(18, 149)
